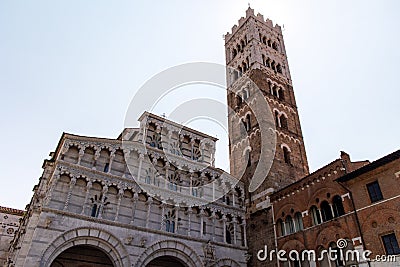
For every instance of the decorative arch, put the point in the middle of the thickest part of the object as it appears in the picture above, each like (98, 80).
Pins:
(95, 237)
(169, 248)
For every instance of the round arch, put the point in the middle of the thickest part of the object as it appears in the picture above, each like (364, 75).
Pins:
(94, 237)
(171, 248)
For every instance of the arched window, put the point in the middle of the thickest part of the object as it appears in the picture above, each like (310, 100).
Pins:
(248, 155)
(338, 208)
(195, 192)
(289, 225)
(298, 221)
(273, 65)
(94, 212)
(279, 68)
(106, 167)
(277, 121)
(275, 46)
(155, 141)
(274, 91)
(264, 40)
(263, 59)
(280, 228)
(242, 43)
(238, 100)
(286, 155)
(245, 67)
(281, 94)
(283, 120)
(234, 53)
(227, 200)
(268, 63)
(170, 221)
(229, 234)
(173, 181)
(315, 215)
(269, 43)
(326, 211)
(248, 122)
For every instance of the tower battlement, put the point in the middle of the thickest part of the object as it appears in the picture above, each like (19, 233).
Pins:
(259, 18)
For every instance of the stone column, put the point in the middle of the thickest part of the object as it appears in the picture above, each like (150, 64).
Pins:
(112, 156)
(104, 193)
(120, 196)
(234, 221)
(166, 175)
(224, 228)
(333, 213)
(244, 232)
(320, 216)
(233, 197)
(81, 152)
(54, 181)
(96, 157)
(190, 211)
(201, 221)
(134, 204)
(155, 170)
(148, 203)
(213, 217)
(71, 186)
(162, 225)
(88, 187)
(176, 218)
(141, 157)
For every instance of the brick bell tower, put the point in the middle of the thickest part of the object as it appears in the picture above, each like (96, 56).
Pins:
(255, 48)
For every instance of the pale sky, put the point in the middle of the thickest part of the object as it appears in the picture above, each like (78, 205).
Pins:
(73, 66)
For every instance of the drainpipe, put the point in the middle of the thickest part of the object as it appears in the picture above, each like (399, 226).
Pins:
(355, 209)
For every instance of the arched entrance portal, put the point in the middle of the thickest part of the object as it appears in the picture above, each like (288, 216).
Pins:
(82, 256)
(166, 261)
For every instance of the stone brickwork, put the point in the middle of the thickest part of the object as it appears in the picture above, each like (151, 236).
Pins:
(135, 201)
(255, 50)
(9, 222)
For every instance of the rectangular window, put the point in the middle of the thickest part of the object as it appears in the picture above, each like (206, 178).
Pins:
(391, 245)
(374, 191)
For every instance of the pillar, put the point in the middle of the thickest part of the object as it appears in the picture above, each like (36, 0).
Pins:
(71, 186)
(85, 204)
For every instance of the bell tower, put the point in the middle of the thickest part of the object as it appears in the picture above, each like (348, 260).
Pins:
(255, 50)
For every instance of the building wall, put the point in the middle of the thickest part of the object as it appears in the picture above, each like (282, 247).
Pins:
(296, 202)
(381, 217)
(9, 222)
(135, 204)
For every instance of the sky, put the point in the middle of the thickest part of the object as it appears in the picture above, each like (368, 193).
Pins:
(74, 66)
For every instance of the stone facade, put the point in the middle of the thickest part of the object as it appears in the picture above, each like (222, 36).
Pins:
(141, 199)
(9, 221)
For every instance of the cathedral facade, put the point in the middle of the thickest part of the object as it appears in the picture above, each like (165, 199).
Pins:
(154, 197)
